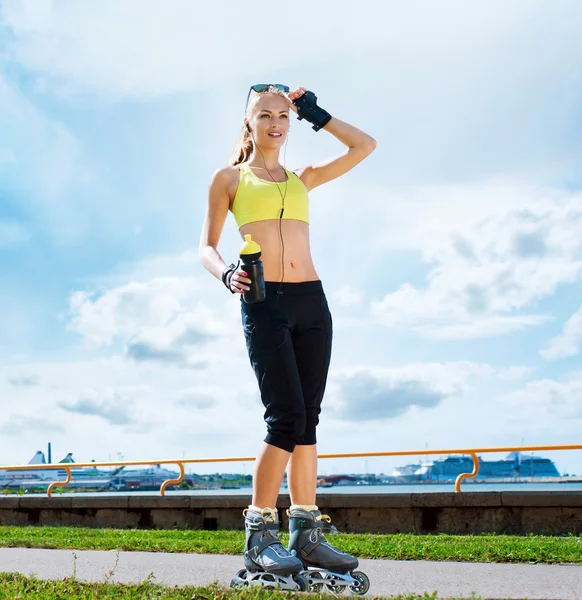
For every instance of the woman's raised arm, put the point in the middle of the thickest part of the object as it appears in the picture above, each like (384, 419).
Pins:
(359, 145)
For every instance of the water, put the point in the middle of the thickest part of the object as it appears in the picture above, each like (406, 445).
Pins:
(358, 489)
(423, 488)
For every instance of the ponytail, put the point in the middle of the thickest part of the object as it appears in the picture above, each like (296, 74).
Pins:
(243, 148)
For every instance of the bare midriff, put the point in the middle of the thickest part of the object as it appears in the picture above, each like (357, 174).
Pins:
(297, 253)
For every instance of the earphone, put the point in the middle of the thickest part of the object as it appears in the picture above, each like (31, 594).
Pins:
(281, 213)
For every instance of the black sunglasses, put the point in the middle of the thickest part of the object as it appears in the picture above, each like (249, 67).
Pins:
(263, 87)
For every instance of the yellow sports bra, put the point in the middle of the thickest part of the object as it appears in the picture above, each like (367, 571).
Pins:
(258, 200)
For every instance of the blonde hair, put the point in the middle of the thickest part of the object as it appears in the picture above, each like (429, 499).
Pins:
(244, 147)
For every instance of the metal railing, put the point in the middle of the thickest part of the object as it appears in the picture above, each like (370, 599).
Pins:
(182, 461)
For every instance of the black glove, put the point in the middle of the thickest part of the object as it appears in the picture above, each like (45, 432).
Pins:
(307, 109)
(227, 275)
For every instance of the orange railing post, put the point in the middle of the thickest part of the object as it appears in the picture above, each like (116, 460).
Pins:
(467, 475)
(54, 484)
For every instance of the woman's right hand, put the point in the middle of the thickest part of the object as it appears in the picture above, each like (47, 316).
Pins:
(239, 280)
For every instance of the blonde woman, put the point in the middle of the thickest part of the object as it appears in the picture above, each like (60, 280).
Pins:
(288, 335)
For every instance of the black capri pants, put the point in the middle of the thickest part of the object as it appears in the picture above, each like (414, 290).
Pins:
(288, 338)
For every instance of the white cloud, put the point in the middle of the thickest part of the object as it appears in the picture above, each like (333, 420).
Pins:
(347, 296)
(515, 372)
(19, 424)
(363, 393)
(480, 407)
(199, 397)
(568, 343)
(546, 400)
(135, 47)
(492, 249)
(101, 405)
(480, 328)
(161, 310)
(139, 47)
(115, 406)
(184, 321)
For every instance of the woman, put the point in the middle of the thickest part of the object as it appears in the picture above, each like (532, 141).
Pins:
(289, 334)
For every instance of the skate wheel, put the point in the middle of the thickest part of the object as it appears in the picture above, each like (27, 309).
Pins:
(364, 583)
(302, 584)
(240, 579)
(334, 589)
(310, 575)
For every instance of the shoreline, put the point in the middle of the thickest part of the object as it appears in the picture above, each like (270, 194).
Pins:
(416, 487)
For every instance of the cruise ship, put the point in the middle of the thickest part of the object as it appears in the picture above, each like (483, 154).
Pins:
(118, 478)
(514, 466)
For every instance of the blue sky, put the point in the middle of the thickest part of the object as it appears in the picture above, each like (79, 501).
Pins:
(452, 257)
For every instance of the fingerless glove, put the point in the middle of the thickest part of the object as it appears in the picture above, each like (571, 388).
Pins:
(227, 275)
(307, 109)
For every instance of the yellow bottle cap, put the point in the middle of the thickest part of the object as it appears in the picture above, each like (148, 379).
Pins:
(250, 247)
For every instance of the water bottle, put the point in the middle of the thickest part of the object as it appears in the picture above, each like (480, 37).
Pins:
(251, 263)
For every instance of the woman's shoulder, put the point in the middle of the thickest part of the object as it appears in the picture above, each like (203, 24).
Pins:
(228, 171)
(227, 178)
(226, 175)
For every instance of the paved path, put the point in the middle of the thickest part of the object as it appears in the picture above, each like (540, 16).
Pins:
(388, 577)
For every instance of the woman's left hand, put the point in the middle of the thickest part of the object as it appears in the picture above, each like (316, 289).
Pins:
(294, 95)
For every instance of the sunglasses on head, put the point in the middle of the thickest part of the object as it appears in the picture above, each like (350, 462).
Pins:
(263, 87)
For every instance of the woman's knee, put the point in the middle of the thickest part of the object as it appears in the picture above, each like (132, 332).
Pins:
(286, 430)
(309, 432)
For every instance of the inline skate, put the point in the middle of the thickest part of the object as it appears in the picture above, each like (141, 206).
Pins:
(325, 567)
(268, 563)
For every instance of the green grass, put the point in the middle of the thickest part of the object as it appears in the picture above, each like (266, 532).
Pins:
(479, 548)
(18, 587)
(472, 548)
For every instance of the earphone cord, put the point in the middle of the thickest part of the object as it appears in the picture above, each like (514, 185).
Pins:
(283, 196)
